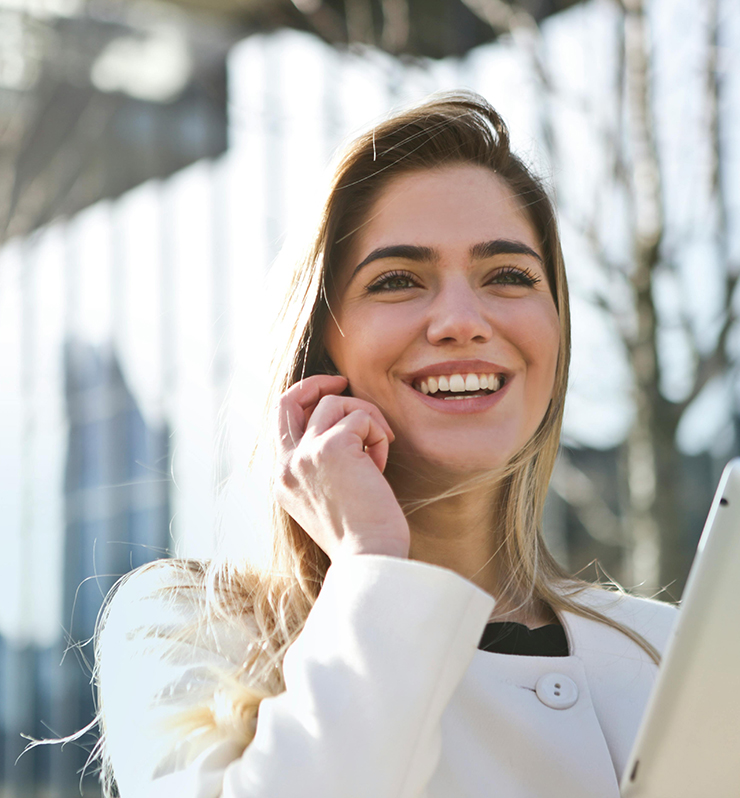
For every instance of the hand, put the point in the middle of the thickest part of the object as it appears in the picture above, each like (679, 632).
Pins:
(332, 451)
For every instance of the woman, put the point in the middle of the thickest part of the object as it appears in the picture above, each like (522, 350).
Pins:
(413, 636)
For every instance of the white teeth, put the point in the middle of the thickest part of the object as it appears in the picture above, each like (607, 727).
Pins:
(457, 383)
(472, 383)
(460, 383)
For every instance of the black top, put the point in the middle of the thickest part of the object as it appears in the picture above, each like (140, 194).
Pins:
(508, 637)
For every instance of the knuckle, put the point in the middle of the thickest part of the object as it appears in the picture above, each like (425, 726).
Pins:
(285, 439)
(373, 413)
(285, 479)
(360, 416)
(283, 399)
(368, 407)
(330, 400)
(304, 460)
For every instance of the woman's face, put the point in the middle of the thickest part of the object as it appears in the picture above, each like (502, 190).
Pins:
(445, 320)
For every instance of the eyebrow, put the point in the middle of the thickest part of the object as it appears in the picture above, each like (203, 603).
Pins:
(486, 249)
(502, 246)
(404, 251)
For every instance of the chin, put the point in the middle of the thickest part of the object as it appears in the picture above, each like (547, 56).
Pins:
(445, 465)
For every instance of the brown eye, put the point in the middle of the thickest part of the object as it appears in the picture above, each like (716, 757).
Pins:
(513, 276)
(392, 281)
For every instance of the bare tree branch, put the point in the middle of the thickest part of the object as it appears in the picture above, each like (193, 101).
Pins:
(717, 361)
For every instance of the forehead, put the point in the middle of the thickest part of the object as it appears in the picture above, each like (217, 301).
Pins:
(448, 208)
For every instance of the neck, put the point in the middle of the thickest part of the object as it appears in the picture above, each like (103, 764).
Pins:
(463, 533)
(459, 533)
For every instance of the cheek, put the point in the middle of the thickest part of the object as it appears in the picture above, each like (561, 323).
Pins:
(539, 343)
(356, 352)
(369, 343)
(546, 347)
(533, 328)
(332, 341)
(548, 342)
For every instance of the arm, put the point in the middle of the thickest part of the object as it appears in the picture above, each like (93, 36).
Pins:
(367, 682)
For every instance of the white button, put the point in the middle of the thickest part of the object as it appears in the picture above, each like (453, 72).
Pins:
(557, 691)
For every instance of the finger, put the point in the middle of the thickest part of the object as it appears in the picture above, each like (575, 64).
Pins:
(332, 409)
(370, 436)
(300, 398)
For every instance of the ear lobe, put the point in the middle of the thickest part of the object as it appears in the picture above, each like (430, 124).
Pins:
(327, 366)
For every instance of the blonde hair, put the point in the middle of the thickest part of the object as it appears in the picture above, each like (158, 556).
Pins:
(459, 128)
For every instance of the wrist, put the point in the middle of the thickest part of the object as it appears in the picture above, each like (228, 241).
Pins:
(388, 548)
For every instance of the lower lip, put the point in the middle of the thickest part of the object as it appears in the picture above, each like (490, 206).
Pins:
(475, 404)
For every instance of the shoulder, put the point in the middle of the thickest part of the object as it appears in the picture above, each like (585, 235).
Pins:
(651, 619)
(163, 606)
(165, 586)
(163, 658)
(157, 602)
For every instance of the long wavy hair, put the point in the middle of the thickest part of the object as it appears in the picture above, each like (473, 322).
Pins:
(448, 129)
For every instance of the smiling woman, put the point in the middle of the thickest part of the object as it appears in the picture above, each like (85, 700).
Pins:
(413, 637)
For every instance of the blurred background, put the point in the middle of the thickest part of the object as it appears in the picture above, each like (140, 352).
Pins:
(153, 156)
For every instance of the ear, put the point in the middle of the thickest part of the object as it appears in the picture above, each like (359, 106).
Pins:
(326, 365)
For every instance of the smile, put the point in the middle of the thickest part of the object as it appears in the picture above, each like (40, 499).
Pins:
(459, 386)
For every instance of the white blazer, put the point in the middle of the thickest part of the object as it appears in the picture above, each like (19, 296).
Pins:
(387, 695)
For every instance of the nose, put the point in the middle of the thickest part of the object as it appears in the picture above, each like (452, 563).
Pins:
(457, 316)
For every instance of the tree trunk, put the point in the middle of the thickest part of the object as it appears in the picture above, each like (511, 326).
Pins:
(650, 460)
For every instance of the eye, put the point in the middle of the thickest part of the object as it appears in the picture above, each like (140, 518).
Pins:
(513, 275)
(392, 281)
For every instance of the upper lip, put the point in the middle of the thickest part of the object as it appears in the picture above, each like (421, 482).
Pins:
(458, 367)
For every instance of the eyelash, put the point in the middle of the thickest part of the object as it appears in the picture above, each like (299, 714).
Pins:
(523, 276)
(381, 284)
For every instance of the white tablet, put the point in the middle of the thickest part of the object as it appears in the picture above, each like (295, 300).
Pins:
(688, 745)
